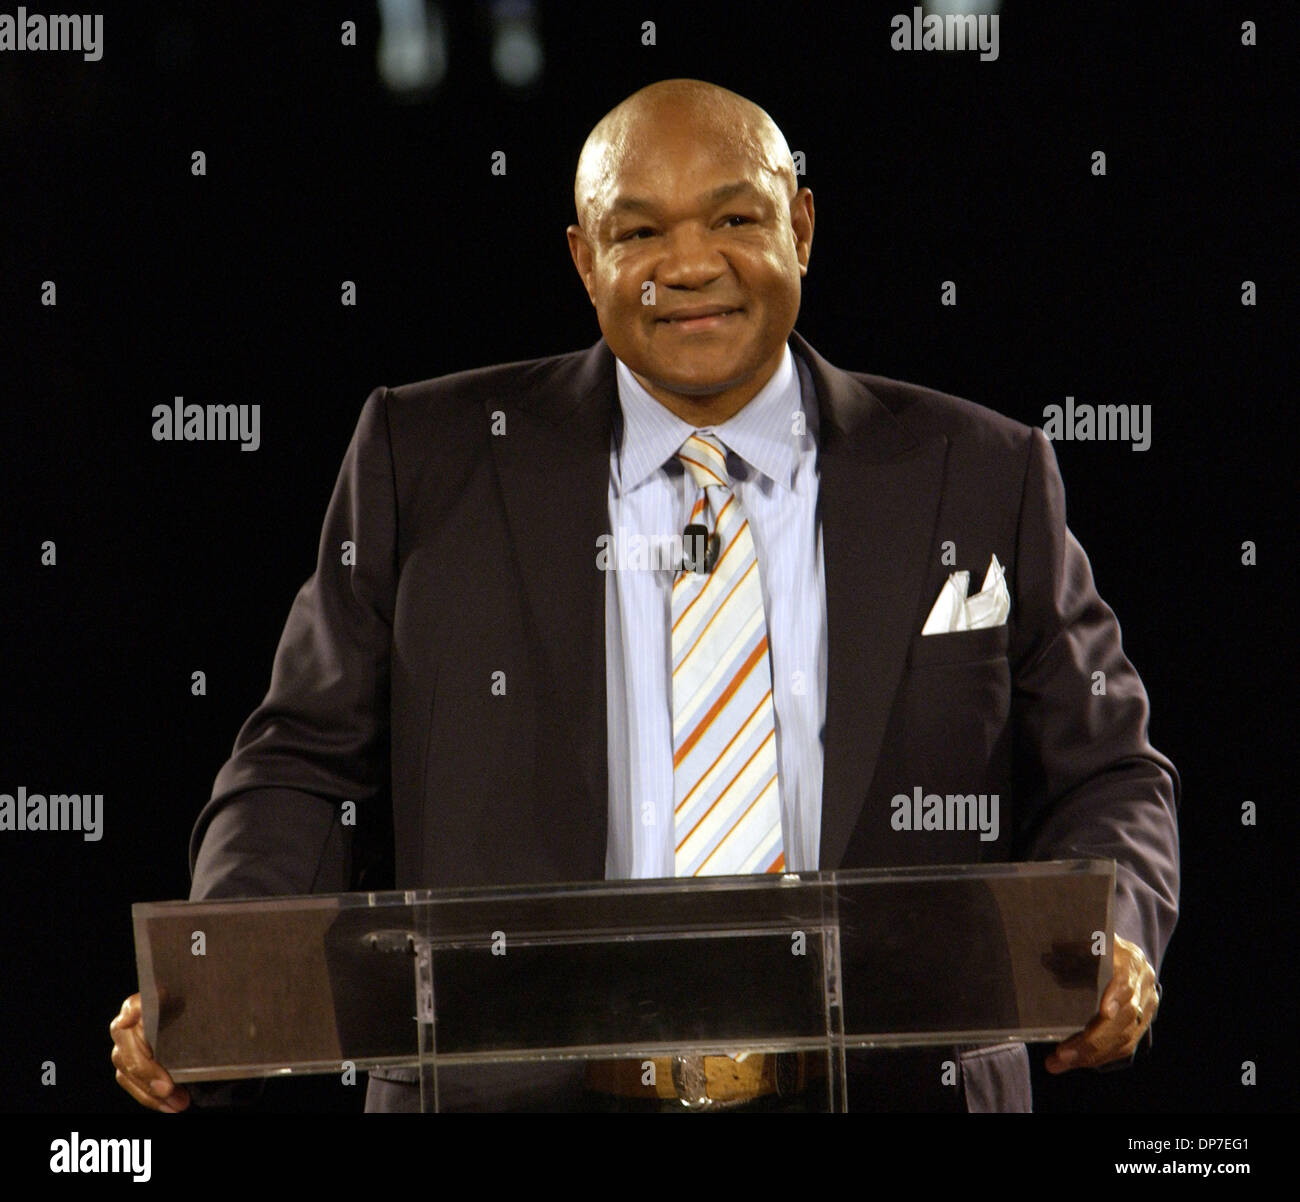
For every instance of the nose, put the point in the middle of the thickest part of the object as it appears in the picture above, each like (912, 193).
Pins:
(689, 261)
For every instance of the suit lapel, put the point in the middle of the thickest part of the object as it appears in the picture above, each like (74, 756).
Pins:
(553, 464)
(878, 503)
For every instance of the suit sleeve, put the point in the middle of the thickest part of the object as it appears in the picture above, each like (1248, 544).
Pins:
(274, 823)
(1090, 781)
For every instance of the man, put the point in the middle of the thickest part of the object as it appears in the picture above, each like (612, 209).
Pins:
(552, 721)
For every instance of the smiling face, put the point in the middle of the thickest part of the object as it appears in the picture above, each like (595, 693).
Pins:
(686, 197)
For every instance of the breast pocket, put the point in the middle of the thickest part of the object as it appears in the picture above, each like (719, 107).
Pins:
(959, 647)
(955, 710)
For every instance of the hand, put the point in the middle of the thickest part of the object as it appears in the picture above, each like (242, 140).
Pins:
(1128, 1005)
(137, 1071)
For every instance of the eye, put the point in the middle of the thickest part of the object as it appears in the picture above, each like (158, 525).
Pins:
(636, 233)
(738, 217)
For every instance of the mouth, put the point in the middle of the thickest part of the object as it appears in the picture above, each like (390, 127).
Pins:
(704, 317)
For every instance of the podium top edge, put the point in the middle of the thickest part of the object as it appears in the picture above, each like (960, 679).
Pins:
(659, 885)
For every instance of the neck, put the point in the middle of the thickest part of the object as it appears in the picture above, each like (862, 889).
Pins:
(712, 409)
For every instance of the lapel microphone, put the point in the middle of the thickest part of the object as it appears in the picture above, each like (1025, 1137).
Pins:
(700, 552)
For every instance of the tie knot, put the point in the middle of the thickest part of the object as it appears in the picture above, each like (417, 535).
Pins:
(706, 459)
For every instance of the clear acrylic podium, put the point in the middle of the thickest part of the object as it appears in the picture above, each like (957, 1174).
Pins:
(814, 964)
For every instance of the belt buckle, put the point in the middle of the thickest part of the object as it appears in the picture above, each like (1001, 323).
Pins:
(691, 1082)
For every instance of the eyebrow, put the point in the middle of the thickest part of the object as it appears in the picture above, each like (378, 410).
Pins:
(637, 204)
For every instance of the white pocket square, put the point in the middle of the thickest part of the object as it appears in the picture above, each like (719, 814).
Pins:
(954, 610)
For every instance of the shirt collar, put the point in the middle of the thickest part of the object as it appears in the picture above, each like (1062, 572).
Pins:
(761, 433)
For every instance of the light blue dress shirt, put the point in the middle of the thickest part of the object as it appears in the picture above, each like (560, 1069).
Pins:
(772, 462)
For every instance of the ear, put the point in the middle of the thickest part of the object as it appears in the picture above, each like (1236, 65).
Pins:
(583, 260)
(802, 219)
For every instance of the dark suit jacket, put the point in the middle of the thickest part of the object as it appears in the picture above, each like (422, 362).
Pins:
(475, 553)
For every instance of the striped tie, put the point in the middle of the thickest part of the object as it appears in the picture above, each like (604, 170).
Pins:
(727, 800)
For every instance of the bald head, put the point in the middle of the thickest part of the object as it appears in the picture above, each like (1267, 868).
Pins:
(720, 122)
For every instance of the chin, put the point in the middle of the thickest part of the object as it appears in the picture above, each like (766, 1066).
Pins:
(682, 375)
(699, 385)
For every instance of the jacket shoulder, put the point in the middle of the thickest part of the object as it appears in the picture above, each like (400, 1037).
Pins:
(439, 431)
(467, 389)
(927, 412)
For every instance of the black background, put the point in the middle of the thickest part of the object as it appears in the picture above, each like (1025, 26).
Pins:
(925, 167)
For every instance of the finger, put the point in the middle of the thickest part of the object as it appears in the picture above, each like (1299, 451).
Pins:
(147, 1073)
(1082, 1048)
(134, 1057)
(1124, 981)
(1140, 1007)
(1060, 1062)
(1119, 990)
(1113, 1039)
(131, 1019)
(128, 1016)
(130, 1039)
(1146, 1007)
(177, 1099)
(133, 1088)
(150, 1083)
(1121, 1051)
(173, 1104)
